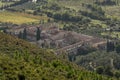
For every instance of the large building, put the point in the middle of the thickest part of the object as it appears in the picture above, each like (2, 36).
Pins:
(18, 0)
(9, 0)
(53, 37)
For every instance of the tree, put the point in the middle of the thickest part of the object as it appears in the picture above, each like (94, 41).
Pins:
(108, 71)
(38, 34)
(100, 70)
(65, 16)
(35, 13)
(117, 74)
(57, 16)
(20, 35)
(117, 48)
(4, 31)
(71, 57)
(110, 46)
(24, 34)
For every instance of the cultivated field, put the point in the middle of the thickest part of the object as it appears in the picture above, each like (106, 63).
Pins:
(19, 18)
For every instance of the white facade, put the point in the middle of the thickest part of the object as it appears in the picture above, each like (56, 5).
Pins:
(34, 0)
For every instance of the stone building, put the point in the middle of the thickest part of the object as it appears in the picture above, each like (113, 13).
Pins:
(17, 0)
(9, 0)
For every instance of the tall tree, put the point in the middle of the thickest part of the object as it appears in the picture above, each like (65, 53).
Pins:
(20, 35)
(110, 46)
(117, 2)
(117, 48)
(38, 34)
(25, 34)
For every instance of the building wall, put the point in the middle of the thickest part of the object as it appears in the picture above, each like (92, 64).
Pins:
(34, 0)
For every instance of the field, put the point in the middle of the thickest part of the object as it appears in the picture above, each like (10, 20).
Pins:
(73, 4)
(5, 3)
(112, 11)
(19, 18)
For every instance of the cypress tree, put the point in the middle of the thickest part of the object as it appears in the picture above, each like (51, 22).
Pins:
(117, 48)
(24, 34)
(38, 36)
(110, 46)
(4, 31)
(20, 35)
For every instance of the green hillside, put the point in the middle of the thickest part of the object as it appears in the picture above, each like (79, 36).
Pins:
(20, 60)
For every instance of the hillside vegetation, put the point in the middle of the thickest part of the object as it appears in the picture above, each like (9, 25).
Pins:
(23, 61)
(20, 60)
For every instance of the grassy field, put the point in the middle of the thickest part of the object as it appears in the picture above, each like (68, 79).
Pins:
(19, 18)
(97, 22)
(112, 34)
(112, 11)
(5, 3)
(73, 4)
